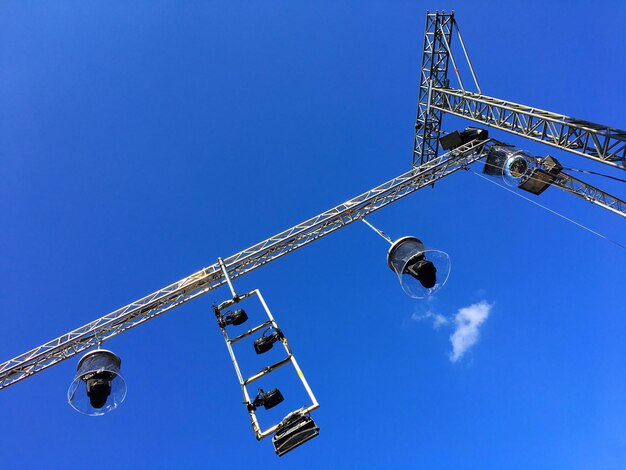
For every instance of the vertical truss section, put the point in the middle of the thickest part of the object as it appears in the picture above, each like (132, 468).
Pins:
(207, 279)
(600, 143)
(433, 73)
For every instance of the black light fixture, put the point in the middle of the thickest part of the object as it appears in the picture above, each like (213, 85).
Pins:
(294, 430)
(520, 169)
(266, 341)
(98, 386)
(267, 399)
(236, 317)
(456, 139)
(422, 271)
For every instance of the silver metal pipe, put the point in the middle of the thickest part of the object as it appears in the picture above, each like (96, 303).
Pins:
(456, 70)
(458, 31)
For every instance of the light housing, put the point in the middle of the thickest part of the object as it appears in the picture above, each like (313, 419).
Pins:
(98, 387)
(267, 400)
(456, 139)
(266, 341)
(296, 429)
(421, 271)
(236, 317)
(520, 169)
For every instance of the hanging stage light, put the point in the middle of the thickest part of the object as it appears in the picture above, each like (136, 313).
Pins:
(456, 139)
(267, 399)
(98, 386)
(294, 430)
(421, 271)
(520, 169)
(265, 342)
(232, 318)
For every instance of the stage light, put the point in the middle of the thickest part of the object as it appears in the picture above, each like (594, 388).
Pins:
(456, 139)
(294, 430)
(267, 399)
(520, 169)
(421, 271)
(98, 386)
(232, 318)
(265, 342)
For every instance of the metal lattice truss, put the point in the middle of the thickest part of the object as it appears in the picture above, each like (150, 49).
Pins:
(209, 278)
(590, 193)
(434, 73)
(600, 143)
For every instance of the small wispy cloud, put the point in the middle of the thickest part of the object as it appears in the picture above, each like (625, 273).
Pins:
(466, 321)
(437, 319)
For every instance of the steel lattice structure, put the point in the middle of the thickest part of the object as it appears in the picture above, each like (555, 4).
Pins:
(600, 143)
(590, 193)
(595, 141)
(210, 278)
(433, 73)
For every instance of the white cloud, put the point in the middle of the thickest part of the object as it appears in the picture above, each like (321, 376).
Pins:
(437, 319)
(467, 320)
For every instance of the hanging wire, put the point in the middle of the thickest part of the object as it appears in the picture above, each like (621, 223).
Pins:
(551, 210)
(595, 173)
(378, 231)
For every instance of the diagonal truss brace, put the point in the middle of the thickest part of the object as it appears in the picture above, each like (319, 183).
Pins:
(595, 141)
(237, 265)
(590, 193)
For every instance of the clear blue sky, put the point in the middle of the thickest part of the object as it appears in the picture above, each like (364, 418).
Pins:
(140, 141)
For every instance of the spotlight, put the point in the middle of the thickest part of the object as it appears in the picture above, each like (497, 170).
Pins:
(267, 399)
(98, 386)
(421, 271)
(520, 169)
(265, 342)
(232, 318)
(294, 430)
(456, 139)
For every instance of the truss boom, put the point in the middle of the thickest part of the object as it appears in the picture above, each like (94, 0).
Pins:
(241, 263)
(595, 141)
(590, 193)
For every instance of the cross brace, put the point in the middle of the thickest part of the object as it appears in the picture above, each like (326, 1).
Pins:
(237, 265)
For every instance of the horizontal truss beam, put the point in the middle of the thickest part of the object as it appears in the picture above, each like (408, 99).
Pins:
(595, 141)
(209, 278)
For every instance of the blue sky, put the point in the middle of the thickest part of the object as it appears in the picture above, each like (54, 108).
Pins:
(141, 141)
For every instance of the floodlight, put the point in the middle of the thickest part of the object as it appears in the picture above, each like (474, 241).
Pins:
(513, 165)
(267, 399)
(98, 386)
(237, 317)
(294, 430)
(456, 139)
(520, 169)
(266, 341)
(422, 271)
